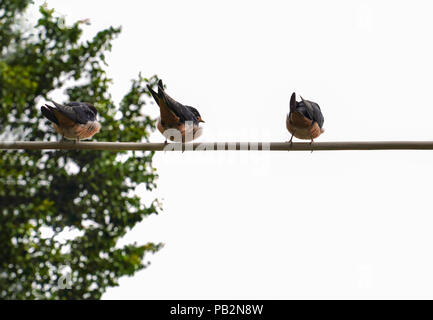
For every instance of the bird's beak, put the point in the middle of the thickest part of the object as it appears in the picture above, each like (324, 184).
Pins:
(201, 120)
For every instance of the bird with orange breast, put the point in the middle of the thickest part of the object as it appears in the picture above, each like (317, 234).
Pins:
(74, 120)
(176, 117)
(305, 119)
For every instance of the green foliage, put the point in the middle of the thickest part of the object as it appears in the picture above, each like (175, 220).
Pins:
(48, 196)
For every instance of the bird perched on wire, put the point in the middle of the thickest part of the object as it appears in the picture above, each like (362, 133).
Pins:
(305, 119)
(174, 115)
(74, 120)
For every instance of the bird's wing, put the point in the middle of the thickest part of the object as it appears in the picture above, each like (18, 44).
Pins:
(75, 111)
(168, 116)
(307, 108)
(312, 111)
(317, 114)
(181, 111)
(85, 111)
(172, 112)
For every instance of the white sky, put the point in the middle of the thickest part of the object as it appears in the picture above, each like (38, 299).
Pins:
(278, 224)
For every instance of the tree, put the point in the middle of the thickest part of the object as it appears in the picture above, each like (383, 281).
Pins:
(63, 212)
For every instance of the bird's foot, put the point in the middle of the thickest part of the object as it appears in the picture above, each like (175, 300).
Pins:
(291, 143)
(165, 144)
(311, 145)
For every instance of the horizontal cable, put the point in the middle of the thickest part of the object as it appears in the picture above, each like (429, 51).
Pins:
(209, 146)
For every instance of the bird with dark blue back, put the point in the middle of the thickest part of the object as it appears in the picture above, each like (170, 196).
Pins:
(176, 121)
(74, 120)
(305, 119)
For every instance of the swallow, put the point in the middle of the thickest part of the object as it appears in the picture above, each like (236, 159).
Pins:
(305, 119)
(74, 120)
(174, 115)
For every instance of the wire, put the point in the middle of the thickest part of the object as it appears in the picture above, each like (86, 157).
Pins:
(219, 146)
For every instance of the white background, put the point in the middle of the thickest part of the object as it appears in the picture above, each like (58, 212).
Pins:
(349, 224)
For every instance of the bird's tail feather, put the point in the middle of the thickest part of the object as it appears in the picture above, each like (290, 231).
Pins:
(163, 96)
(160, 86)
(161, 91)
(293, 102)
(154, 94)
(48, 113)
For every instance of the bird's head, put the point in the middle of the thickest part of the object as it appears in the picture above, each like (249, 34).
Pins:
(91, 110)
(197, 114)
